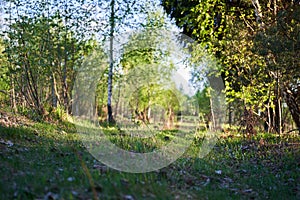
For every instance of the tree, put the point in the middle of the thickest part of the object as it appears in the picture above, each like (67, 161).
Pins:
(219, 27)
(116, 18)
(45, 45)
(4, 76)
(111, 62)
(227, 30)
(147, 70)
(279, 44)
(38, 60)
(203, 100)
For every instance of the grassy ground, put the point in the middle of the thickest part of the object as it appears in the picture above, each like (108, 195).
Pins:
(48, 161)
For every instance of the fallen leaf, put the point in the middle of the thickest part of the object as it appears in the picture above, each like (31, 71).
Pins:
(261, 142)
(128, 197)
(229, 180)
(74, 193)
(206, 182)
(51, 196)
(8, 143)
(247, 191)
(70, 179)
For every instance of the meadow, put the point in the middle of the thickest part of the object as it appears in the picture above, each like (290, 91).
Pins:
(41, 160)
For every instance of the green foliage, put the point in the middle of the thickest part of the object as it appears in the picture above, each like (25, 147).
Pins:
(4, 76)
(255, 43)
(44, 57)
(279, 44)
(203, 101)
(146, 68)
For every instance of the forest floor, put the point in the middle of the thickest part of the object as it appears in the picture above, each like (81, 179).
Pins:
(42, 160)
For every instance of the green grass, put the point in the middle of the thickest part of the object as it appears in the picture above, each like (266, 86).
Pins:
(49, 161)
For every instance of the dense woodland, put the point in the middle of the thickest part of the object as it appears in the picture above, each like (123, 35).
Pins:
(112, 62)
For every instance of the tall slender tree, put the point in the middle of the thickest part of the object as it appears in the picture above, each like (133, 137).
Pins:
(112, 19)
(120, 12)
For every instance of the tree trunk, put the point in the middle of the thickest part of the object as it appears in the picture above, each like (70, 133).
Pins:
(170, 118)
(110, 118)
(53, 91)
(118, 101)
(275, 7)
(277, 103)
(13, 95)
(269, 122)
(230, 114)
(250, 121)
(278, 116)
(32, 86)
(212, 114)
(291, 102)
(149, 113)
(258, 12)
(64, 78)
